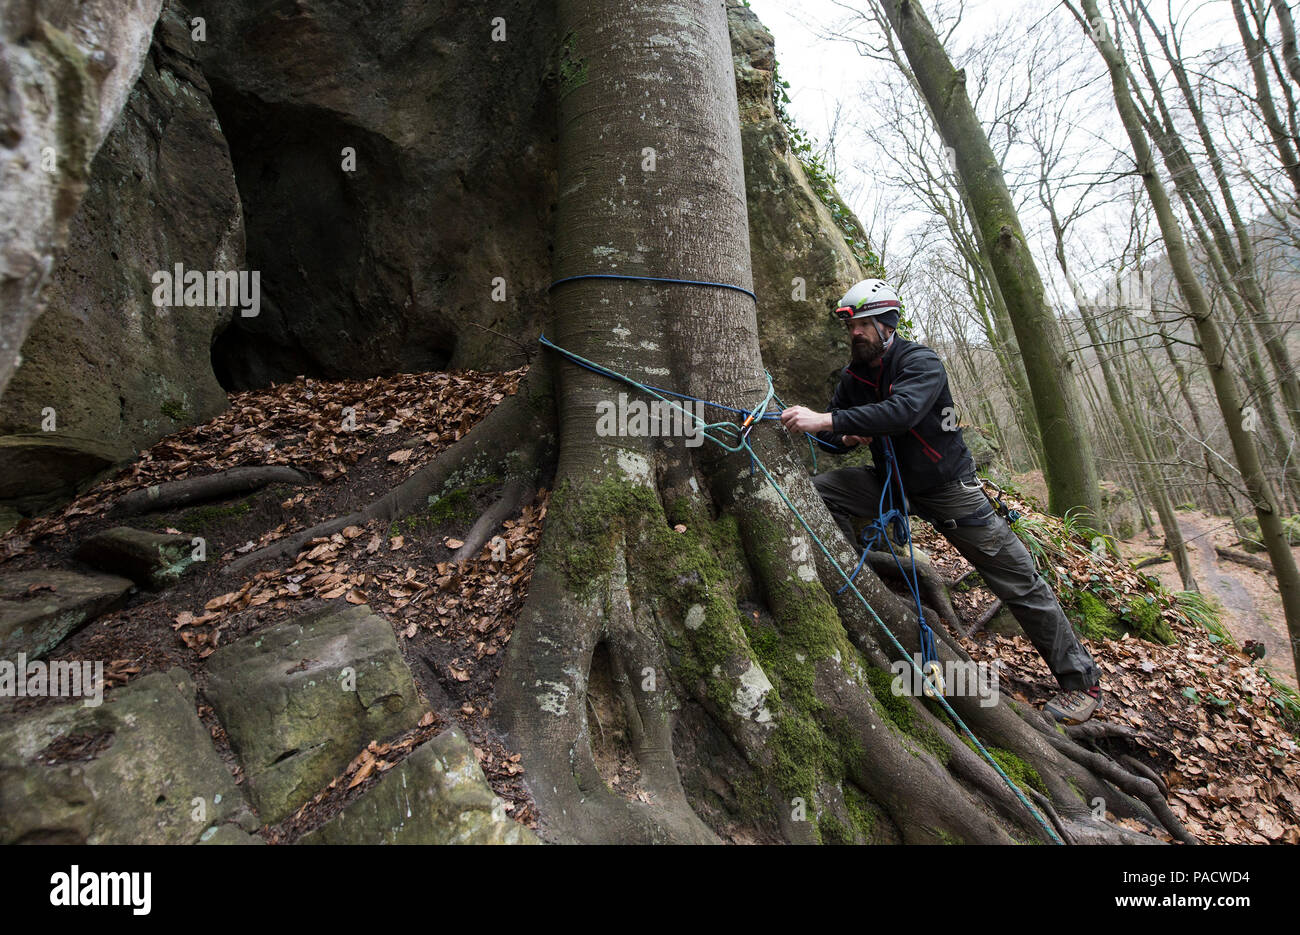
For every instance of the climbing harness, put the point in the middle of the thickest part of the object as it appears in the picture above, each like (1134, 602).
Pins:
(718, 432)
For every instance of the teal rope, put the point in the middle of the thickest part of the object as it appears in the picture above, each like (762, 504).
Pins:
(741, 433)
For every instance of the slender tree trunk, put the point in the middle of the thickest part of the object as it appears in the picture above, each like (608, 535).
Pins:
(1286, 25)
(1262, 496)
(1239, 272)
(1282, 141)
(1069, 465)
(1142, 451)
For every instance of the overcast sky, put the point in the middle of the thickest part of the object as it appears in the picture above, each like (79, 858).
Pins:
(824, 72)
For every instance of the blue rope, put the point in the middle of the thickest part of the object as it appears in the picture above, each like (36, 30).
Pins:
(741, 433)
(683, 282)
(879, 528)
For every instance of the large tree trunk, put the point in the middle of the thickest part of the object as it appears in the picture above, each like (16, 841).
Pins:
(714, 658)
(1262, 495)
(1069, 466)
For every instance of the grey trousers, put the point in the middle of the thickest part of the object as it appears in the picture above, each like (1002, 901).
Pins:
(994, 549)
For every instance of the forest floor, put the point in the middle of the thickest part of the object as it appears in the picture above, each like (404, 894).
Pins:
(1251, 603)
(1229, 761)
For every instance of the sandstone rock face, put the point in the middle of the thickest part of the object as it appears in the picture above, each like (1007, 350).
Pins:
(386, 264)
(37, 470)
(792, 234)
(301, 699)
(1119, 510)
(130, 771)
(437, 795)
(114, 369)
(41, 608)
(65, 72)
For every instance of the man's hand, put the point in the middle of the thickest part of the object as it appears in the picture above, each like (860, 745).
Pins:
(857, 440)
(803, 419)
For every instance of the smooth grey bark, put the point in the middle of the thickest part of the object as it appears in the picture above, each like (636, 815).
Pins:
(621, 596)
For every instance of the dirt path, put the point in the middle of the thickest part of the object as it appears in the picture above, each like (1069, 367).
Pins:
(1252, 606)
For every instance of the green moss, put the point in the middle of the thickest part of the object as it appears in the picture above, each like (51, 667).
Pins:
(832, 831)
(206, 517)
(454, 505)
(1144, 618)
(899, 711)
(1021, 773)
(1078, 789)
(174, 409)
(1094, 619)
(862, 813)
(571, 68)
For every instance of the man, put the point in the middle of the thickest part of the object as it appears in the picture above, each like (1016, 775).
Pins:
(898, 389)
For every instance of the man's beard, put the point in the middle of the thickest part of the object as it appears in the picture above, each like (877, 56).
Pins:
(864, 353)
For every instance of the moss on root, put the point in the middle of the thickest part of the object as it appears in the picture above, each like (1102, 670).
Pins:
(692, 578)
(897, 709)
(202, 518)
(1094, 620)
(454, 505)
(1021, 773)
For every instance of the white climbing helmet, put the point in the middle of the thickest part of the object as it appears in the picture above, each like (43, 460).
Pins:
(868, 298)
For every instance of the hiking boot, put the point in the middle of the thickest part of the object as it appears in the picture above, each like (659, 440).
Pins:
(1074, 707)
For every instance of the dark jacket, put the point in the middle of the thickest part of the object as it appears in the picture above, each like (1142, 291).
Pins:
(903, 395)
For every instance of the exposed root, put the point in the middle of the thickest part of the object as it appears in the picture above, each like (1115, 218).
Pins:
(1101, 730)
(1137, 766)
(933, 591)
(518, 492)
(182, 493)
(1046, 805)
(1140, 787)
(489, 446)
(983, 620)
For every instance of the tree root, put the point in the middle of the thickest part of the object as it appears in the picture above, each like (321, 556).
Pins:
(1140, 787)
(933, 591)
(983, 619)
(183, 493)
(1137, 766)
(1102, 730)
(1045, 804)
(489, 446)
(518, 492)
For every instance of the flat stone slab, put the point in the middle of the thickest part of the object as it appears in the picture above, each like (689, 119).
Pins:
(437, 795)
(300, 699)
(35, 619)
(138, 769)
(150, 559)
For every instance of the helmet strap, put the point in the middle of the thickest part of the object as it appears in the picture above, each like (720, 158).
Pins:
(884, 342)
